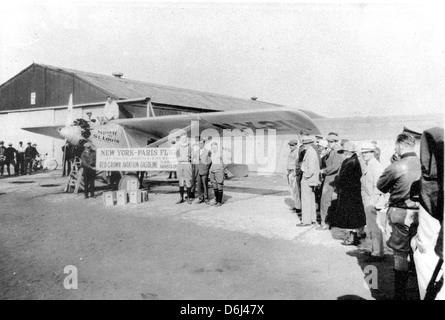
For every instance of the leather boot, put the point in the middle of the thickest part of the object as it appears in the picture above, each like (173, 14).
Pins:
(189, 195)
(400, 282)
(214, 201)
(181, 194)
(220, 196)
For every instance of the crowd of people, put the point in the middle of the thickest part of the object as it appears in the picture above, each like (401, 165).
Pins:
(353, 192)
(199, 164)
(22, 159)
(344, 182)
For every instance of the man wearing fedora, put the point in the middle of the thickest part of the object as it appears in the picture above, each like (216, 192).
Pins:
(88, 160)
(333, 162)
(372, 200)
(310, 179)
(292, 176)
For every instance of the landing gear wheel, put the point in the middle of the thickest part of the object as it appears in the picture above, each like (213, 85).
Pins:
(52, 165)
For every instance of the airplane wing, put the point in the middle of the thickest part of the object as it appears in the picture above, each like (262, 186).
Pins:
(283, 120)
(46, 131)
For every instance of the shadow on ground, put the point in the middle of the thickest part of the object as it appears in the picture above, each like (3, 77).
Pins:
(384, 288)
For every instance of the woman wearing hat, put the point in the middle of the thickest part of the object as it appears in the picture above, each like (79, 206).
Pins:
(350, 213)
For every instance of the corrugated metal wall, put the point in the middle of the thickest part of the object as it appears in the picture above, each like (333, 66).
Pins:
(49, 87)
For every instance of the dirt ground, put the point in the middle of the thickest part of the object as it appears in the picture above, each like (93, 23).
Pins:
(247, 249)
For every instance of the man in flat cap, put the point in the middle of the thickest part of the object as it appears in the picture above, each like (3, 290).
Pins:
(88, 159)
(10, 155)
(30, 155)
(372, 200)
(292, 176)
(333, 161)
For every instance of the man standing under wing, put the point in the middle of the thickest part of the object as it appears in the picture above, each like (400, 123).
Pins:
(397, 179)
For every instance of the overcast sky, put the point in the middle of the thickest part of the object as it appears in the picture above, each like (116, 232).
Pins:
(335, 59)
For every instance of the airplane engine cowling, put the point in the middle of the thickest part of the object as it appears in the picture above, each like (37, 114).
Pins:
(72, 134)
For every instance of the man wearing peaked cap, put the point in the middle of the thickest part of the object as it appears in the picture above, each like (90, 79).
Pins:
(333, 136)
(10, 159)
(373, 200)
(292, 174)
(333, 162)
(30, 155)
(397, 179)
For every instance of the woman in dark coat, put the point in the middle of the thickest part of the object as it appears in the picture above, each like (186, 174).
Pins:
(349, 213)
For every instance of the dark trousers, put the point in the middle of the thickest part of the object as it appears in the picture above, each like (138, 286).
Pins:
(8, 166)
(28, 165)
(115, 177)
(2, 167)
(203, 190)
(195, 176)
(89, 176)
(141, 175)
(66, 168)
(20, 165)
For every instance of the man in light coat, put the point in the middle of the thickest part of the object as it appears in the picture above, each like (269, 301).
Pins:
(310, 179)
(371, 197)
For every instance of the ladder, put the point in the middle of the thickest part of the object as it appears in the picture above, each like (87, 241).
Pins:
(75, 179)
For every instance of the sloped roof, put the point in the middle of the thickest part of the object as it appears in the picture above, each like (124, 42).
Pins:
(122, 88)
